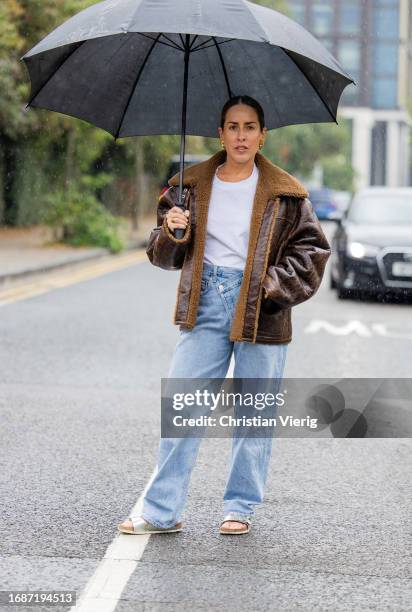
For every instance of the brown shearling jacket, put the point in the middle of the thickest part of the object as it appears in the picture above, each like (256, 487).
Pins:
(286, 258)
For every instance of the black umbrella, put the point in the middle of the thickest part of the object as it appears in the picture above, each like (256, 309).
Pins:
(139, 67)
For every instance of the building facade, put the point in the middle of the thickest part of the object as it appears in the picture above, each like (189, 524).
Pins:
(372, 41)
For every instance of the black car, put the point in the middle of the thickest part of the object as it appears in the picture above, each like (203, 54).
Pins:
(372, 245)
(174, 168)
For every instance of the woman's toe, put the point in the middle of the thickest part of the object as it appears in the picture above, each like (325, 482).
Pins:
(127, 524)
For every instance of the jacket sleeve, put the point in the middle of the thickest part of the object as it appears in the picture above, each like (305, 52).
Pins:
(163, 249)
(298, 274)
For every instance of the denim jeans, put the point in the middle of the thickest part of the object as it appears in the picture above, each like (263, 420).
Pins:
(205, 352)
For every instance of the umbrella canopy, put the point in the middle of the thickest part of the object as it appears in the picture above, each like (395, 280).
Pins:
(127, 66)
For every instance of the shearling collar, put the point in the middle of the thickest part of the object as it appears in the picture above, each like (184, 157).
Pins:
(273, 180)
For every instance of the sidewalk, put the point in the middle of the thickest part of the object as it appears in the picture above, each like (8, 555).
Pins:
(30, 250)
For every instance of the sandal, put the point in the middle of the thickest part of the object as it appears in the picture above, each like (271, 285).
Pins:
(142, 527)
(238, 518)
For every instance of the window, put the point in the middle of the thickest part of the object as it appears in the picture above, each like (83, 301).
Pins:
(380, 210)
(384, 93)
(349, 55)
(385, 59)
(350, 17)
(386, 23)
(322, 17)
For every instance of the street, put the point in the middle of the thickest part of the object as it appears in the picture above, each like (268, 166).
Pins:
(80, 412)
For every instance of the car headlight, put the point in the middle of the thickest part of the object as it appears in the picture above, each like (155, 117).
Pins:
(359, 250)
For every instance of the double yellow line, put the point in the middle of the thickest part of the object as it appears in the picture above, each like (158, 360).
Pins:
(65, 277)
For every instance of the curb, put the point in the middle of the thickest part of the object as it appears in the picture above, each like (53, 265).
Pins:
(103, 252)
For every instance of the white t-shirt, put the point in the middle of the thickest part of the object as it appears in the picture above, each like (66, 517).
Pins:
(228, 222)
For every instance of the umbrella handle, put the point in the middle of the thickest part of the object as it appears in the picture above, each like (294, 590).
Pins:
(179, 232)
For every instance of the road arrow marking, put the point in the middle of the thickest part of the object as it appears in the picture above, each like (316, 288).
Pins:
(354, 326)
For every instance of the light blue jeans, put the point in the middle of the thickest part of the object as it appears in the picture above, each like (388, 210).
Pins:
(205, 352)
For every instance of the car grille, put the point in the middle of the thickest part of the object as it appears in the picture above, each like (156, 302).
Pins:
(386, 261)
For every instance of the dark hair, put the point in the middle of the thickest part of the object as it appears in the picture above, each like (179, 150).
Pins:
(243, 100)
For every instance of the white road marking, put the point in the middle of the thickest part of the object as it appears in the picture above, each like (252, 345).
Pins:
(380, 328)
(349, 327)
(105, 587)
(357, 327)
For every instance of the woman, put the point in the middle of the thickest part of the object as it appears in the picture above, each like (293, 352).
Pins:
(251, 250)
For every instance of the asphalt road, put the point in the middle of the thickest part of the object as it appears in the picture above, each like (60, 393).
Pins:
(79, 403)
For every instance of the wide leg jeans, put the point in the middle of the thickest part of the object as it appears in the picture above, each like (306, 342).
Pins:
(205, 352)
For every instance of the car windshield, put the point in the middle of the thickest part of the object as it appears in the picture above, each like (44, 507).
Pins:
(380, 209)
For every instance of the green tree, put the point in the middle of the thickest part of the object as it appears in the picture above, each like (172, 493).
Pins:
(42, 152)
(297, 148)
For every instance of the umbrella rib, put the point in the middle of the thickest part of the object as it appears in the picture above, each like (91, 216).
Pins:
(201, 46)
(173, 42)
(173, 45)
(202, 43)
(183, 42)
(53, 73)
(135, 85)
(191, 44)
(223, 67)
(311, 84)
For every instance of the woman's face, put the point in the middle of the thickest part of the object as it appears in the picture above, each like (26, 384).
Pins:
(241, 133)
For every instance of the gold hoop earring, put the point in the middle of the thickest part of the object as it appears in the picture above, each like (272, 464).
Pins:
(223, 144)
(260, 145)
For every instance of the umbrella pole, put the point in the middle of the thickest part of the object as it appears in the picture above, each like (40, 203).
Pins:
(180, 232)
